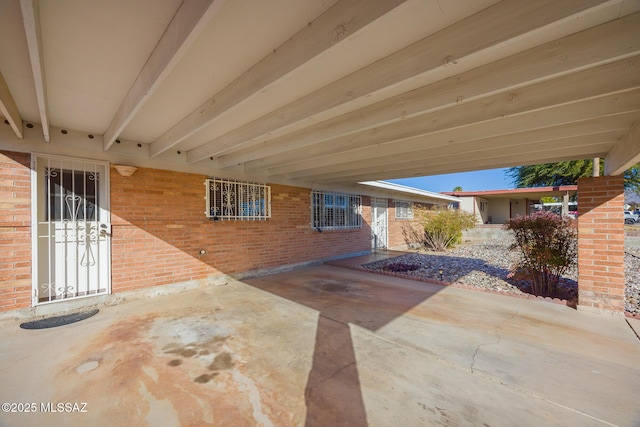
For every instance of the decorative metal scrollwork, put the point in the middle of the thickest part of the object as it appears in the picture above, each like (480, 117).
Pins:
(228, 199)
(87, 235)
(51, 172)
(51, 289)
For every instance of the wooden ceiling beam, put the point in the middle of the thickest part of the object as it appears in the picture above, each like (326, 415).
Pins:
(609, 128)
(481, 38)
(469, 151)
(470, 154)
(349, 16)
(505, 126)
(523, 158)
(561, 59)
(187, 24)
(625, 154)
(31, 20)
(9, 110)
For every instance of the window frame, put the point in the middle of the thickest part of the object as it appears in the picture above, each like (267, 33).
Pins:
(409, 209)
(331, 210)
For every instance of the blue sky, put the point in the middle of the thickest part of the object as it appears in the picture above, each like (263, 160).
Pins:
(491, 179)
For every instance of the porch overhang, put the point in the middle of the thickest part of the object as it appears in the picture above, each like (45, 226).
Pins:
(323, 94)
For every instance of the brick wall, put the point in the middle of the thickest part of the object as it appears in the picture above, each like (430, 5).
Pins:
(159, 227)
(403, 230)
(15, 231)
(601, 243)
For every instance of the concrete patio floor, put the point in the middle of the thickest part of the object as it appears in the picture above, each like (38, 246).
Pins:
(325, 346)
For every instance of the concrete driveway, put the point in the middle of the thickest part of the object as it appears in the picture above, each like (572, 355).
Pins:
(325, 346)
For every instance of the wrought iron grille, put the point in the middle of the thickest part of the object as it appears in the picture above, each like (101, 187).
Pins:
(237, 200)
(72, 195)
(335, 211)
(71, 253)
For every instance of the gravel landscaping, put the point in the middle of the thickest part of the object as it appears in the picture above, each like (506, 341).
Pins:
(632, 281)
(488, 265)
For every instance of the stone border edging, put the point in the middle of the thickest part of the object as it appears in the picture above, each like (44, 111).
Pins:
(631, 315)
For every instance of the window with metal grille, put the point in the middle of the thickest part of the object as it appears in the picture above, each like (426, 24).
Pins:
(404, 210)
(237, 200)
(335, 211)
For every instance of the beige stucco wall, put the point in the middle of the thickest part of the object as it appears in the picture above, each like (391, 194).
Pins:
(470, 205)
(518, 207)
(499, 211)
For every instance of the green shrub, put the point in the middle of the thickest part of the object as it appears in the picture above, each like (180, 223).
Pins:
(548, 247)
(443, 227)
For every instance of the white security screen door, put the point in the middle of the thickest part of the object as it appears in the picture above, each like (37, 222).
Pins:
(72, 222)
(379, 223)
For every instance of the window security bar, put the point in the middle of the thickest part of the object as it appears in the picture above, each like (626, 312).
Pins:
(335, 211)
(237, 200)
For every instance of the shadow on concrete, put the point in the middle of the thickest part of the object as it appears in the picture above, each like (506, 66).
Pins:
(333, 394)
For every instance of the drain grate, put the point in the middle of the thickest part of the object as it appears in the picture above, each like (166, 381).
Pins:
(52, 322)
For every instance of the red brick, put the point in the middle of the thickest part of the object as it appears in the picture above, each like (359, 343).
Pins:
(15, 230)
(159, 227)
(601, 242)
(160, 232)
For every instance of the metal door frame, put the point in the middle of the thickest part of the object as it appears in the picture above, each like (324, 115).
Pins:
(377, 203)
(104, 206)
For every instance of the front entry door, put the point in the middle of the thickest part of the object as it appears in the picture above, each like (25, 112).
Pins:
(72, 245)
(379, 223)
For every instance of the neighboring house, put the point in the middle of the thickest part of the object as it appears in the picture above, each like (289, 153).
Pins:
(498, 206)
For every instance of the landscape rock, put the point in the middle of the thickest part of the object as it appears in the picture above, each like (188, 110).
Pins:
(489, 265)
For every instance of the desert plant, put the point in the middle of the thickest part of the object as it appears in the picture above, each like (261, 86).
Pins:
(443, 227)
(548, 246)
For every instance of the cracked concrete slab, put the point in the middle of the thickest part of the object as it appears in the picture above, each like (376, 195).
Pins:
(326, 346)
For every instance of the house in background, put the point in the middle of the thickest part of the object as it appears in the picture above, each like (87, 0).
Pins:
(498, 206)
(392, 214)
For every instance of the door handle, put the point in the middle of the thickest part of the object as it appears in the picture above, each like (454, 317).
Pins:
(105, 230)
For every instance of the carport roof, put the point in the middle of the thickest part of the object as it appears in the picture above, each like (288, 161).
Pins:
(323, 94)
(519, 193)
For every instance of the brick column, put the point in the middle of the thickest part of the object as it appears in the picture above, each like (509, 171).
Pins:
(15, 231)
(601, 244)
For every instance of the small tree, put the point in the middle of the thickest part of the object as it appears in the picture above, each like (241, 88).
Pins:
(548, 247)
(443, 227)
